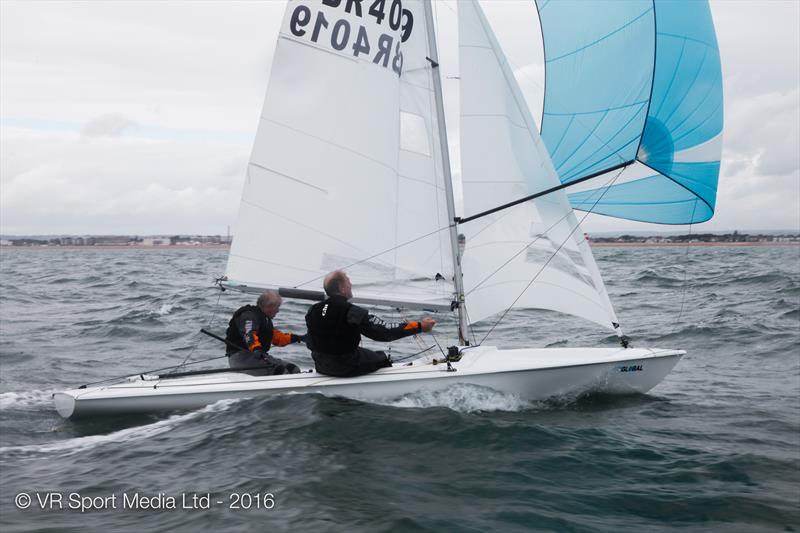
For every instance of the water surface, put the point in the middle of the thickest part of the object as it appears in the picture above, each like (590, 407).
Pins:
(715, 447)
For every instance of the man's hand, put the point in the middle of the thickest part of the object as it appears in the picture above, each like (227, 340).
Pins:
(427, 324)
(299, 338)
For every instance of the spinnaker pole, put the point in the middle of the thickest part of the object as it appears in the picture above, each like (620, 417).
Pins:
(448, 178)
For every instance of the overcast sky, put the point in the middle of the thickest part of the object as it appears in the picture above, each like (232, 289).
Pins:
(137, 118)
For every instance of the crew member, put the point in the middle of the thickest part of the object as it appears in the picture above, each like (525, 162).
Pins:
(335, 327)
(251, 333)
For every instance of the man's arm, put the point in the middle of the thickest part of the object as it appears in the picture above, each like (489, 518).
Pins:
(280, 338)
(378, 329)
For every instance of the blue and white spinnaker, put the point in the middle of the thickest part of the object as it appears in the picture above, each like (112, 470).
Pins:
(634, 83)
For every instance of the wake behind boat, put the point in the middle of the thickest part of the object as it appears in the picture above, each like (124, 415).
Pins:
(530, 374)
(350, 170)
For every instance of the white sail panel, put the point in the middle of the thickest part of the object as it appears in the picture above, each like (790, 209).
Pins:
(422, 204)
(336, 177)
(504, 159)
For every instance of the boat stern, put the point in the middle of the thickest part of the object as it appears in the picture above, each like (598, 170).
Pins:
(65, 403)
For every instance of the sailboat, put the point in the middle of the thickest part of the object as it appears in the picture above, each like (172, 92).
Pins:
(350, 170)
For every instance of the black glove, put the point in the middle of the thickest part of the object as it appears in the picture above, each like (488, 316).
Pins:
(299, 338)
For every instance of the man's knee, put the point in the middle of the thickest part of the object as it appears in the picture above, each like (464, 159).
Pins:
(280, 366)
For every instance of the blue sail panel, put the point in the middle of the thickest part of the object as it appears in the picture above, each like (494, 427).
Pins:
(630, 201)
(599, 70)
(686, 105)
(635, 80)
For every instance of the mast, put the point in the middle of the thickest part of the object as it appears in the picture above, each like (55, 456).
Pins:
(448, 179)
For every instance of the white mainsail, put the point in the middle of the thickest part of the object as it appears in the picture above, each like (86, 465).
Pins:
(503, 159)
(346, 165)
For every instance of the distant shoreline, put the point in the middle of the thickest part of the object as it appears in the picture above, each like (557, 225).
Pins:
(121, 247)
(684, 244)
(207, 247)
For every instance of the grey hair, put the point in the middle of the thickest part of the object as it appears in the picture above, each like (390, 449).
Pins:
(269, 297)
(333, 282)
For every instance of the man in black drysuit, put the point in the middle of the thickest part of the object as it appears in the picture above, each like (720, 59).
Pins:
(335, 327)
(251, 333)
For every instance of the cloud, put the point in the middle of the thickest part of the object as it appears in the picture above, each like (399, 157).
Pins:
(118, 185)
(759, 46)
(765, 128)
(134, 117)
(112, 125)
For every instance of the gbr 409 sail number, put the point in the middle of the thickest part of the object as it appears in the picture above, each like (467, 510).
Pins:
(339, 34)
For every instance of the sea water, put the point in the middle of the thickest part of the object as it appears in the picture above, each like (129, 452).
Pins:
(715, 447)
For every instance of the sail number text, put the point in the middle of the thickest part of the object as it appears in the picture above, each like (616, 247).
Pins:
(383, 50)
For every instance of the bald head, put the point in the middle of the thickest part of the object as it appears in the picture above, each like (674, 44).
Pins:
(270, 303)
(338, 284)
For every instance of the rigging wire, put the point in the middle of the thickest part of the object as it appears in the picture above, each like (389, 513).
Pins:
(470, 328)
(418, 338)
(437, 343)
(686, 265)
(542, 234)
(197, 336)
(528, 245)
(184, 363)
(569, 236)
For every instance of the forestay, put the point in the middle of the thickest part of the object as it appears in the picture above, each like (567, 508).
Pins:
(503, 158)
(346, 163)
(636, 82)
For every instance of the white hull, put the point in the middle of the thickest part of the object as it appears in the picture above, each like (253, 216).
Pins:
(531, 374)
